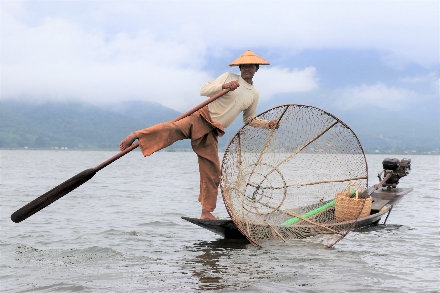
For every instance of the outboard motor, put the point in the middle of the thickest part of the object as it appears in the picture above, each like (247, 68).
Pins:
(396, 168)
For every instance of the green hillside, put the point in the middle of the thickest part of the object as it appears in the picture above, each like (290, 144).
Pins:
(79, 125)
(384, 131)
(73, 125)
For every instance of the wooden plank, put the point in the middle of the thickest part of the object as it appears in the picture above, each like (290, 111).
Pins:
(378, 204)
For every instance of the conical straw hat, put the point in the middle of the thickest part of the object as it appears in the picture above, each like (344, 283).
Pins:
(249, 57)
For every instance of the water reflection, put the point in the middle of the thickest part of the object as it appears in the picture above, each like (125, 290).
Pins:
(380, 227)
(209, 267)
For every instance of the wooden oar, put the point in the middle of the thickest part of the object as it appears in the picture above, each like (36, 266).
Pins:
(67, 186)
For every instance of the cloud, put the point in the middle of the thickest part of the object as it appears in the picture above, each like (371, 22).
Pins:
(101, 51)
(60, 60)
(402, 30)
(431, 79)
(278, 80)
(378, 95)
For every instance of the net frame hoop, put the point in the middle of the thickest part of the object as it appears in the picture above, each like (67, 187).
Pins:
(286, 106)
(262, 188)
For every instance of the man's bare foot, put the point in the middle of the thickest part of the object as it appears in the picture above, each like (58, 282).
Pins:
(128, 141)
(207, 215)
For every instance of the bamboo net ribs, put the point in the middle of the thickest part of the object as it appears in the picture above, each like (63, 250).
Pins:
(281, 184)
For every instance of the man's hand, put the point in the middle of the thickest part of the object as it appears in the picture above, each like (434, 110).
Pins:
(231, 85)
(273, 124)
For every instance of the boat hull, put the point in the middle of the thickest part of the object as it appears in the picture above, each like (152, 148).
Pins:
(383, 201)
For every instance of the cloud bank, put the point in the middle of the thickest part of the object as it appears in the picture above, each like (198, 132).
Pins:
(108, 51)
(378, 95)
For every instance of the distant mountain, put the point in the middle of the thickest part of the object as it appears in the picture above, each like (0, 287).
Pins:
(75, 125)
(79, 125)
(379, 129)
(147, 113)
(382, 130)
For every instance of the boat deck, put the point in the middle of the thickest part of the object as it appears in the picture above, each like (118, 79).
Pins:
(383, 201)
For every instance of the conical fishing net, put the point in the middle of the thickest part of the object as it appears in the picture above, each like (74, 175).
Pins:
(301, 180)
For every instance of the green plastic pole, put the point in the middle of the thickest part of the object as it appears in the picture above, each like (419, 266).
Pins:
(294, 220)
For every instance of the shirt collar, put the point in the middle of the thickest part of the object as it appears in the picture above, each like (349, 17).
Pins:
(244, 83)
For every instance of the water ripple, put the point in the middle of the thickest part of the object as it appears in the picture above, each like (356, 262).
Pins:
(122, 232)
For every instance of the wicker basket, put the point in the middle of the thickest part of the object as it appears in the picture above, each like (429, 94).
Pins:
(349, 208)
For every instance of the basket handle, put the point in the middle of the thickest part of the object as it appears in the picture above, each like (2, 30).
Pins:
(355, 188)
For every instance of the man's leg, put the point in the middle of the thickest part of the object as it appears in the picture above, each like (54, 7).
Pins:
(159, 136)
(206, 149)
(205, 146)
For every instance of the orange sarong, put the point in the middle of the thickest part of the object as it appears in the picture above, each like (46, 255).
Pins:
(204, 134)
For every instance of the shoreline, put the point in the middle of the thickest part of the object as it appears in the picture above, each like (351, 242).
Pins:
(432, 153)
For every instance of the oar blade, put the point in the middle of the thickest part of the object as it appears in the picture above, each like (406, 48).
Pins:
(52, 195)
(81, 178)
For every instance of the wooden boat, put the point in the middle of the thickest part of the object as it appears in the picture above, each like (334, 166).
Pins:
(384, 200)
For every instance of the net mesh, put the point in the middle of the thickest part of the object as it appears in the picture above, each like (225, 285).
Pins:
(282, 183)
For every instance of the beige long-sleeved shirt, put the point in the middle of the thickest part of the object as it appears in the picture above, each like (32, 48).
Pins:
(225, 109)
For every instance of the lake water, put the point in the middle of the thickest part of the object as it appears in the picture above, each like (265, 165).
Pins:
(122, 232)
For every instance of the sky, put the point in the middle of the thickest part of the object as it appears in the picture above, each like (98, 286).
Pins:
(344, 54)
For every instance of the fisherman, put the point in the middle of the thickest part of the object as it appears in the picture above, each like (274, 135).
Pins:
(206, 125)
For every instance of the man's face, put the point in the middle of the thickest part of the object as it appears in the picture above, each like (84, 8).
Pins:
(248, 71)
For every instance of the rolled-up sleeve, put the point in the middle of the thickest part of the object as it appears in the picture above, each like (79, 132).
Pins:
(211, 88)
(249, 116)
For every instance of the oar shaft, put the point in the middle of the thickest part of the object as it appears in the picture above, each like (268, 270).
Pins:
(132, 147)
(115, 157)
(67, 186)
(200, 106)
